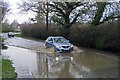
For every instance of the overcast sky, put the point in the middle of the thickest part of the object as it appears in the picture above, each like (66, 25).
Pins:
(15, 15)
(15, 12)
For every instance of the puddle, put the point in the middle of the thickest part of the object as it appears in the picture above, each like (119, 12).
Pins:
(24, 60)
(29, 64)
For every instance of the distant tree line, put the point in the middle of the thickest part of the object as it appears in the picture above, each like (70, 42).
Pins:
(66, 14)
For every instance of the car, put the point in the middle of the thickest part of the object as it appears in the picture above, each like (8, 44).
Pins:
(59, 43)
(10, 34)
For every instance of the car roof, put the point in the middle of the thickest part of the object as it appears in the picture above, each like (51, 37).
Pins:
(55, 37)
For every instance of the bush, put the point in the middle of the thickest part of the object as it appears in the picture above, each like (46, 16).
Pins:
(83, 35)
(104, 36)
(110, 35)
(100, 42)
(6, 28)
(38, 31)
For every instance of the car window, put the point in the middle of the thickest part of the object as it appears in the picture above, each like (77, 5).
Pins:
(60, 40)
(50, 40)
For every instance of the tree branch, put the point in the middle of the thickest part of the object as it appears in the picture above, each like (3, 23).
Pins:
(75, 19)
(57, 9)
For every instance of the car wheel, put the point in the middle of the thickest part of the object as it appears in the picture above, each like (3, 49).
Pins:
(9, 36)
(46, 46)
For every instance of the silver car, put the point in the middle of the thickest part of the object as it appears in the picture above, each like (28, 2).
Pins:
(59, 43)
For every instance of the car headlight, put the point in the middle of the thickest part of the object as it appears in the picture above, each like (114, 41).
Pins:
(58, 46)
(71, 58)
(57, 58)
(71, 46)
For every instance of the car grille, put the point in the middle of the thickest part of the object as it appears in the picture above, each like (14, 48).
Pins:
(65, 46)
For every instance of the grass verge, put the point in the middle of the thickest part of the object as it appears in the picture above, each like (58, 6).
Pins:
(18, 35)
(8, 71)
(6, 68)
(0, 67)
(2, 46)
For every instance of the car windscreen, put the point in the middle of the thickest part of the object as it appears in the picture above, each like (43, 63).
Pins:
(60, 40)
(11, 33)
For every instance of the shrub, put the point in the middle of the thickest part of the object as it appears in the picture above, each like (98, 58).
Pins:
(84, 35)
(104, 36)
(6, 28)
(109, 33)
(100, 42)
(38, 31)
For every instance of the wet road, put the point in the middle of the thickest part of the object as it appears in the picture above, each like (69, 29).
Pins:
(30, 62)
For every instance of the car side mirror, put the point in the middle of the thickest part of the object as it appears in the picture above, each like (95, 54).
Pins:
(51, 41)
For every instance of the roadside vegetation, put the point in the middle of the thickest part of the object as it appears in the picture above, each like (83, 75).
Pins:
(6, 68)
(103, 37)
(0, 28)
(0, 67)
(5, 27)
(2, 46)
(18, 35)
(8, 71)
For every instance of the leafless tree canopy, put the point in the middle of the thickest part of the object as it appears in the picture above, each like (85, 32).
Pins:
(4, 8)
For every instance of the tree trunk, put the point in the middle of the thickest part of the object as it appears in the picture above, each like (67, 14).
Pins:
(99, 13)
(67, 26)
(67, 30)
(47, 17)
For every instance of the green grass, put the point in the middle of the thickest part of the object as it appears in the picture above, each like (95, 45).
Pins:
(2, 39)
(0, 68)
(0, 28)
(1, 44)
(4, 47)
(8, 71)
(6, 68)
(18, 35)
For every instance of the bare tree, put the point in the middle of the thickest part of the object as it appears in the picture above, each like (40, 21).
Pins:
(4, 9)
(99, 12)
(41, 8)
(107, 11)
(112, 11)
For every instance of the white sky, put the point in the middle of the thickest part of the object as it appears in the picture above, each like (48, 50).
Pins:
(15, 15)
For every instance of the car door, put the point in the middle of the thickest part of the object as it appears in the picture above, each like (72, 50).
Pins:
(49, 42)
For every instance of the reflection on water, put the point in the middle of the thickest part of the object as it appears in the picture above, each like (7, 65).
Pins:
(24, 60)
(29, 64)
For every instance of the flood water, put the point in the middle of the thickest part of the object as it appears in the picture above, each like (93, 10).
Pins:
(85, 64)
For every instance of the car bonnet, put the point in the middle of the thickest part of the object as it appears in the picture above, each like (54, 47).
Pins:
(62, 44)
